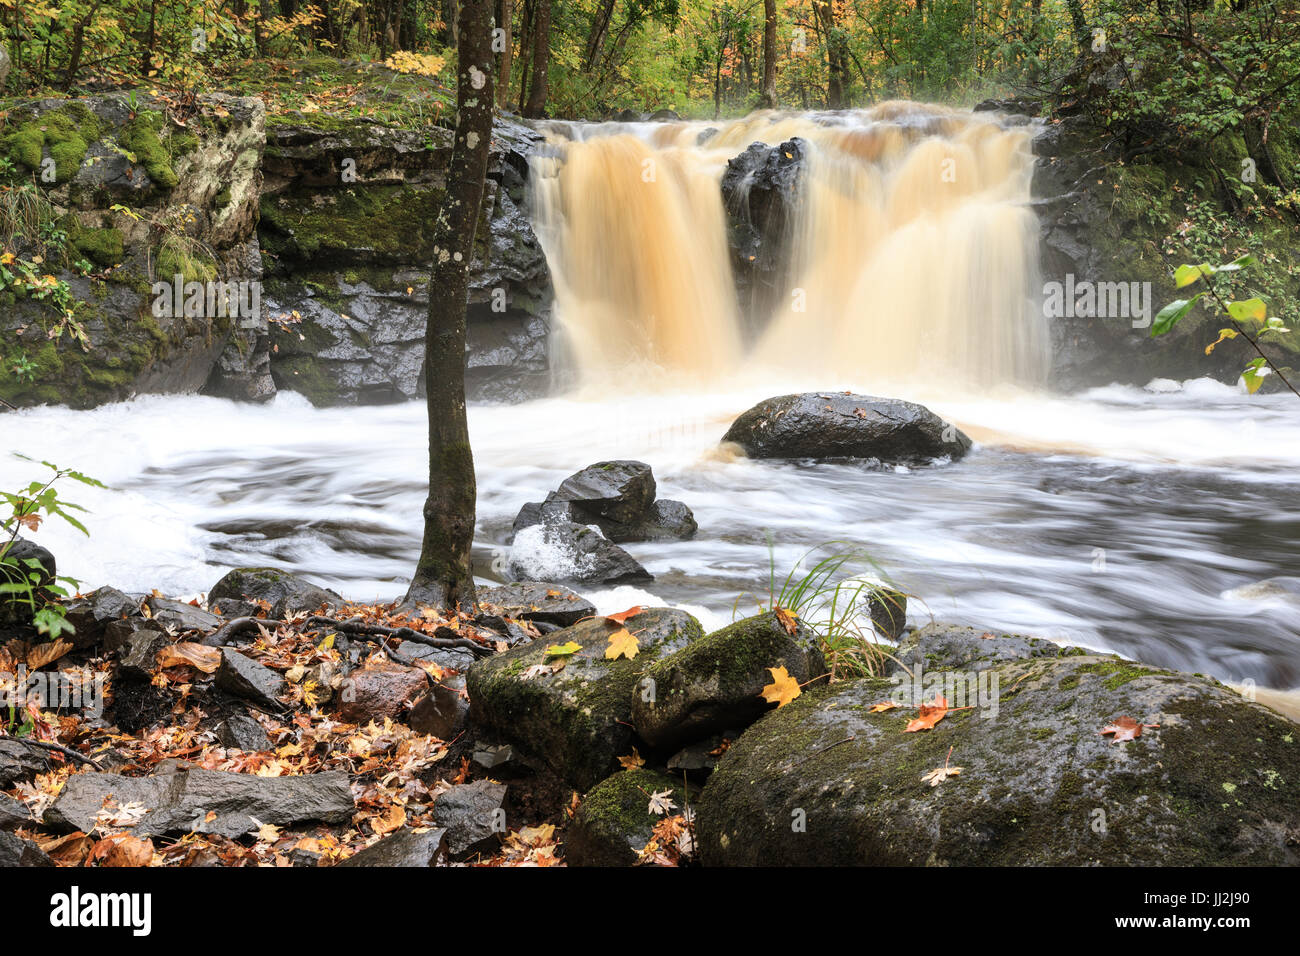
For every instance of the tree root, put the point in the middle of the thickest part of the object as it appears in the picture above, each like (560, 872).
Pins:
(55, 748)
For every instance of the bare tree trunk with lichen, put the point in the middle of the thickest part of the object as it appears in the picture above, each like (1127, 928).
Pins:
(444, 576)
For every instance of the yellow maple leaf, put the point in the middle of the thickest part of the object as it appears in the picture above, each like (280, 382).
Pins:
(783, 688)
(622, 643)
(632, 761)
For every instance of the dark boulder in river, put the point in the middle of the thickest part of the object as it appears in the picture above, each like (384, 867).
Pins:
(1212, 779)
(844, 425)
(619, 498)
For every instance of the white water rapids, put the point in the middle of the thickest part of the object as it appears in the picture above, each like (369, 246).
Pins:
(1189, 493)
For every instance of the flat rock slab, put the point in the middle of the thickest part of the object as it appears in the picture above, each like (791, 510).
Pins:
(179, 802)
(833, 425)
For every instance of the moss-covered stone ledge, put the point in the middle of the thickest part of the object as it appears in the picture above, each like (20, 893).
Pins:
(1214, 779)
(116, 192)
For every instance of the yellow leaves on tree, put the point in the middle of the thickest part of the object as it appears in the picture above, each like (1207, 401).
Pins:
(783, 688)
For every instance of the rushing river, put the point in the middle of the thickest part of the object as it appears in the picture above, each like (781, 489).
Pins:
(1123, 518)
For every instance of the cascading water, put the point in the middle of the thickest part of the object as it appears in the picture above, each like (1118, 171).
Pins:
(912, 252)
(914, 284)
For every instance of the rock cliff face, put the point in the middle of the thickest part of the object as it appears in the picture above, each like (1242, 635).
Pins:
(131, 191)
(347, 215)
(329, 216)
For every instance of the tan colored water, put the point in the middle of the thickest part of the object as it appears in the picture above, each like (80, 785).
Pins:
(914, 253)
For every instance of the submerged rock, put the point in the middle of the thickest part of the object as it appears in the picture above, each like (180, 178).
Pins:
(716, 682)
(823, 781)
(840, 425)
(575, 719)
(762, 190)
(614, 823)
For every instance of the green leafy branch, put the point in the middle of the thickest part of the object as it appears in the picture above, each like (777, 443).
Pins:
(25, 580)
(1253, 310)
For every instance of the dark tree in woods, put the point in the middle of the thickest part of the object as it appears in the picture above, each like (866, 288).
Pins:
(769, 54)
(444, 575)
(538, 88)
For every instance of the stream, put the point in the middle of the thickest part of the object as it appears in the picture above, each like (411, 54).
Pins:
(1139, 521)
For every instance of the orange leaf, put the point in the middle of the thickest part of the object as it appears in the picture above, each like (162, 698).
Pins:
(789, 620)
(201, 658)
(43, 654)
(783, 688)
(882, 707)
(622, 643)
(122, 849)
(394, 819)
(621, 617)
(1124, 728)
(930, 714)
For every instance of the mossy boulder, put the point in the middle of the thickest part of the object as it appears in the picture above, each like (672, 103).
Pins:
(825, 781)
(614, 823)
(716, 683)
(577, 719)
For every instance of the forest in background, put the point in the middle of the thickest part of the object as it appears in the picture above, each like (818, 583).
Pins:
(1194, 68)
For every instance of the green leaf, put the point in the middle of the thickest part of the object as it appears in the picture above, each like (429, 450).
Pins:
(1185, 275)
(562, 650)
(1254, 375)
(1251, 310)
(1172, 314)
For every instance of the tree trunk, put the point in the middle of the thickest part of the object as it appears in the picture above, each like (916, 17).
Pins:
(769, 54)
(538, 88)
(444, 575)
(506, 23)
(834, 54)
(451, 15)
(599, 31)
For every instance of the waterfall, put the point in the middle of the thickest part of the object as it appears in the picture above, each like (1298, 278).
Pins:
(912, 250)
